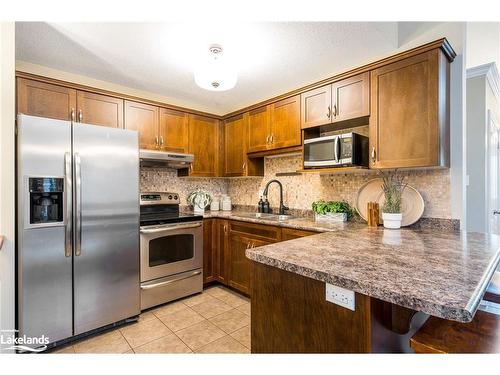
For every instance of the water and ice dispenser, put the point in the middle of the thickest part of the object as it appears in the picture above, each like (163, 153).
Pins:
(46, 200)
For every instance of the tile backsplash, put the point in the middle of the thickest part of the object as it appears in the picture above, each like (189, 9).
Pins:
(301, 190)
(161, 179)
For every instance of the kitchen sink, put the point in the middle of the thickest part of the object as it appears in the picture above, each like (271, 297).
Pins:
(270, 217)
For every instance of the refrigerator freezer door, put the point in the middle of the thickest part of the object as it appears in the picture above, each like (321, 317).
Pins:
(106, 201)
(44, 267)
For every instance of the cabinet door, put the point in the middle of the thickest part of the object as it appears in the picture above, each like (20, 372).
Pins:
(98, 109)
(285, 123)
(239, 264)
(235, 131)
(209, 256)
(351, 98)
(173, 130)
(143, 118)
(404, 124)
(222, 256)
(258, 129)
(316, 107)
(45, 100)
(203, 143)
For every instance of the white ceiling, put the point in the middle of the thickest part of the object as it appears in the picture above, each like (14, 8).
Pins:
(271, 58)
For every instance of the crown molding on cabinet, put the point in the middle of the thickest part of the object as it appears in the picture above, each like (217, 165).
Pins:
(442, 43)
(115, 94)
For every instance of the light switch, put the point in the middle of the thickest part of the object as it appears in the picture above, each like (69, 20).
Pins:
(340, 296)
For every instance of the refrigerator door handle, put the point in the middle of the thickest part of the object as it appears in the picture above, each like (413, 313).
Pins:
(78, 205)
(69, 209)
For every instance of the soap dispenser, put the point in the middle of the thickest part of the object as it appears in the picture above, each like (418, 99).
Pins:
(260, 207)
(265, 206)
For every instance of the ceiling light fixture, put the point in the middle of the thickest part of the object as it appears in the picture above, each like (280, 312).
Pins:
(214, 72)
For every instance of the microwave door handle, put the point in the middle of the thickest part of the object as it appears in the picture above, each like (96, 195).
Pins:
(337, 149)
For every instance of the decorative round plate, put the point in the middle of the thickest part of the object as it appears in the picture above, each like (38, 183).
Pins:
(412, 202)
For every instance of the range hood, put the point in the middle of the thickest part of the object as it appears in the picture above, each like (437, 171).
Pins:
(174, 160)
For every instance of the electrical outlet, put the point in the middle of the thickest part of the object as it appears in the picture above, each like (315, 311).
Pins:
(340, 296)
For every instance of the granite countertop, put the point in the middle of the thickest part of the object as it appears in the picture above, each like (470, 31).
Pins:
(444, 274)
(301, 223)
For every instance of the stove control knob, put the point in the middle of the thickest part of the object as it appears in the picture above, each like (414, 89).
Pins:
(170, 197)
(176, 197)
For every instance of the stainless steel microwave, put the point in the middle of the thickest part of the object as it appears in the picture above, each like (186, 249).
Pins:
(348, 149)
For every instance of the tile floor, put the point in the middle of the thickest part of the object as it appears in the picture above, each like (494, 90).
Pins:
(215, 321)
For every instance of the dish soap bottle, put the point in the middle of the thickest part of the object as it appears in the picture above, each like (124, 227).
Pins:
(265, 206)
(260, 207)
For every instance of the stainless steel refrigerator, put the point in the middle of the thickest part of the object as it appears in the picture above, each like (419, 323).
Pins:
(78, 227)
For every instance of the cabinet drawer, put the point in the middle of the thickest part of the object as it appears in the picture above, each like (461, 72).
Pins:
(268, 232)
(290, 234)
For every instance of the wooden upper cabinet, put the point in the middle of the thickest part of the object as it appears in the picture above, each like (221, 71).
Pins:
(145, 119)
(235, 132)
(258, 129)
(173, 130)
(204, 144)
(285, 123)
(409, 125)
(351, 98)
(99, 109)
(45, 100)
(316, 107)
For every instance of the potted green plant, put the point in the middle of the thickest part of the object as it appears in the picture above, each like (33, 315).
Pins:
(393, 186)
(333, 211)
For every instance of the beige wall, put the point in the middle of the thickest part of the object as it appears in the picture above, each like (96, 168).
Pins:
(7, 228)
(300, 191)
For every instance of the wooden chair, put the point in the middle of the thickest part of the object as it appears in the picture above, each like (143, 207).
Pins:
(482, 335)
(493, 292)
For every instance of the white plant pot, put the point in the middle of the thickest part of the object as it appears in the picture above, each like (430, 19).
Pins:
(331, 217)
(392, 221)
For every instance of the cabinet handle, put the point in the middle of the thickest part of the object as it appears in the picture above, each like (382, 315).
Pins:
(248, 245)
(271, 139)
(244, 165)
(80, 115)
(335, 110)
(157, 142)
(329, 113)
(267, 139)
(161, 140)
(72, 114)
(373, 154)
(225, 228)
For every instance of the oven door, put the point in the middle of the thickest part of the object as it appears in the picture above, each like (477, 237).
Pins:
(170, 249)
(322, 151)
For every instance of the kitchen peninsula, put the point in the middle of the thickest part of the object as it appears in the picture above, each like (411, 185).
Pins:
(399, 278)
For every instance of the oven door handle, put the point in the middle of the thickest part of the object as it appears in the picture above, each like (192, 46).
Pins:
(169, 228)
(173, 280)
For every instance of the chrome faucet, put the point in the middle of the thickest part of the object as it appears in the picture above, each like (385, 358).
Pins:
(282, 207)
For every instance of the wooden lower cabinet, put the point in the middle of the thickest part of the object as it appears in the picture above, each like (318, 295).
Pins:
(290, 314)
(209, 256)
(221, 231)
(226, 246)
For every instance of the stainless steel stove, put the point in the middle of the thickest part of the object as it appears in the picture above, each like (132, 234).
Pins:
(171, 250)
